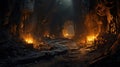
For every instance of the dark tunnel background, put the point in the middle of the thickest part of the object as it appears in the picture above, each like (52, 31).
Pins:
(46, 22)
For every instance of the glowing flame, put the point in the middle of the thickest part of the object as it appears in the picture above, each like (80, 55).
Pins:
(28, 38)
(68, 29)
(66, 35)
(90, 38)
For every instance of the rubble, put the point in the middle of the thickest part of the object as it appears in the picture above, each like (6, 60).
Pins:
(19, 53)
(32, 36)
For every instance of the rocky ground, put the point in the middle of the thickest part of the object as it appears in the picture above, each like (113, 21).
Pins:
(62, 53)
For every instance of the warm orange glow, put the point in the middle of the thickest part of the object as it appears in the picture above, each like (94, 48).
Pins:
(66, 35)
(90, 38)
(68, 30)
(28, 39)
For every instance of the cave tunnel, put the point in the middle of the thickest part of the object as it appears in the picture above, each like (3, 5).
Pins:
(59, 33)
